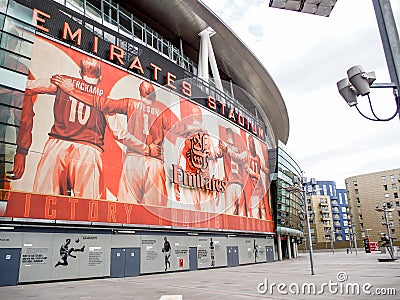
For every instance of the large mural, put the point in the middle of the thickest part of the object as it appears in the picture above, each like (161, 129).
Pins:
(100, 144)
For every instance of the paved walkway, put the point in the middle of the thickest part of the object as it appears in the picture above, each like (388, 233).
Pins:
(345, 271)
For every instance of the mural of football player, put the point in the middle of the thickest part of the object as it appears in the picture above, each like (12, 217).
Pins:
(257, 200)
(71, 162)
(143, 179)
(234, 167)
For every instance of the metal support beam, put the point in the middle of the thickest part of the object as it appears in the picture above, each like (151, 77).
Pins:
(390, 38)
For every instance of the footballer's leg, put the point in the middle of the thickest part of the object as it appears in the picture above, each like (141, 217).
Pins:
(51, 173)
(85, 171)
(131, 181)
(154, 190)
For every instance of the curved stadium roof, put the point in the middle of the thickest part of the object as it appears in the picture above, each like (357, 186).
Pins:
(187, 18)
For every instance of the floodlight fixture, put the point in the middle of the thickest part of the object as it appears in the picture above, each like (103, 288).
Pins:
(347, 91)
(358, 83)
(360, 79)
(314, 7)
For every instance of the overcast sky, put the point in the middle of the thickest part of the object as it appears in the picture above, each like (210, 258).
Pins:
(306, 55)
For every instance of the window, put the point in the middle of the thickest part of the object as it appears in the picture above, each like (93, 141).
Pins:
(383, 178)
(93, 9)
(356, 191)
(397, 202)
(110, 13)
(394, 186)
(358, 200)
(385, 187)
(386, 195)
(76, 5)
(355, 183)
(396, 195)
(392, 177)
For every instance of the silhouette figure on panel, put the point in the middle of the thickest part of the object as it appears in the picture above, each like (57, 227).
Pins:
(167, 253)
(65, 252)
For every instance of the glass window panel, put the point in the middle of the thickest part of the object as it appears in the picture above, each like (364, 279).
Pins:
(76, 5)
(155, 43)
(110, 13)
(3, 5)
(1, 21)
(109, 37)
(20, 12)
(20, 29)
(14, 62)
(138, 30)
(93, 10)
(125, 24)
(149, 39)
(10, 114)
(16, 45)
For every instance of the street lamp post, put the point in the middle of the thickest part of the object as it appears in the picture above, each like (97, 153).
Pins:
(350, 239)
(304, 184)
(355, 238)
(303, 189)
(385, 209)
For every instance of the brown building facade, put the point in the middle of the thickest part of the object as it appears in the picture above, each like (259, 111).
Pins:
(365, 192)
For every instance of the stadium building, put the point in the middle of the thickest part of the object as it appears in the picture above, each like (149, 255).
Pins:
(134, 140)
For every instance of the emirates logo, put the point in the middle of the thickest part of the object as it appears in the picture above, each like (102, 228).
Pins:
(199, 152)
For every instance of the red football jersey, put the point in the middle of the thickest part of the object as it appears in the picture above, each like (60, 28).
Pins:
(255, 166)
(234, 164)
(76, 121)
(148, 121)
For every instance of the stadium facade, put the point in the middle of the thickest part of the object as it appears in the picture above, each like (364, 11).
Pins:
(120, 154)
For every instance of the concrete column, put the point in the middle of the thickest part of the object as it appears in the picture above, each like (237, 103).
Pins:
(289, 247)
(213, 65)
(203, 56)
(296, 253)
(278, 239)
